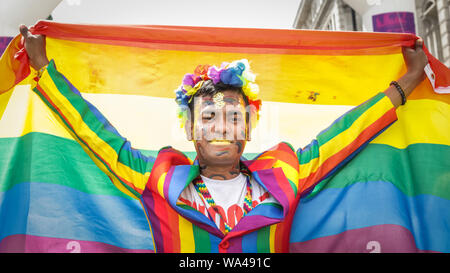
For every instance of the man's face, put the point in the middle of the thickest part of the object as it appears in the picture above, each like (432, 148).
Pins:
(219, 128)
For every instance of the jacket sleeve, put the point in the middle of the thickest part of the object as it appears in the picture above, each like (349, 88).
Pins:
(343, 139)
(127, 168)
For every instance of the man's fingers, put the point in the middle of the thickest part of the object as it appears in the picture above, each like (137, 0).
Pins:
(419, 44)
(24, 31)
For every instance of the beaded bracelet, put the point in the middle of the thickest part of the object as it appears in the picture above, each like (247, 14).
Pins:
(41, 71)
(400, 90)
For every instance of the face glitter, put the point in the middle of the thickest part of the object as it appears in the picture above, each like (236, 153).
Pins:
(218, 100)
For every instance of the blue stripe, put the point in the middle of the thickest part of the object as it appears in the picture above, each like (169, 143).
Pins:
(215, 241)
(271, 210)
(360, 205)
(249, 242)
(51, 210)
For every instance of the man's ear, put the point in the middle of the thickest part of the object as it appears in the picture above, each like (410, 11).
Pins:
(188, 129)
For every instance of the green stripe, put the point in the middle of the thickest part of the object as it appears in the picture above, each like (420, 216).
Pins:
(201, 239)
(418, 169)
(116, 142)
(305, 156)
(44, 158)
(293, 186)
(262, 240)
(339, 126)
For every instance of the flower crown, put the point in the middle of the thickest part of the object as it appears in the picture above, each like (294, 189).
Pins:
(236, 74)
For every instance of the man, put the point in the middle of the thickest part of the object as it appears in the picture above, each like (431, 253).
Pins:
(188, 203)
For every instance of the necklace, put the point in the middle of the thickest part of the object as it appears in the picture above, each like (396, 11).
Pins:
(202, 190)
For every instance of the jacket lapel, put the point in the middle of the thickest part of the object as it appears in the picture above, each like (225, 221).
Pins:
(263, 171)
(177, 179)
(271, 179)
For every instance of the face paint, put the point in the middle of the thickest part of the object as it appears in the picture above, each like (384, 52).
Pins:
(218, 100)
(239, 145)
(219, 129)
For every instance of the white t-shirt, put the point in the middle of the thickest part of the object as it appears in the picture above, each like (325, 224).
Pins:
(229, 197)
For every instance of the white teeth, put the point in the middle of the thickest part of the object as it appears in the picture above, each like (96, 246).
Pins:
(220, 142)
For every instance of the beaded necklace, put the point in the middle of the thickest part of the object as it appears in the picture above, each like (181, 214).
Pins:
(202, 190)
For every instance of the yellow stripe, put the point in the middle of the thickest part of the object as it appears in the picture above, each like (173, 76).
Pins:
(98, 145)
(290, 172)
(160, 184)
(187, 244)
(296, 75)
(419, 121)
(272, 230)
(425, 120)
(342, 140)
(27, 113)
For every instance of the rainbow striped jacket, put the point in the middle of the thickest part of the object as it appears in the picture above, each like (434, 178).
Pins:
(285, 173)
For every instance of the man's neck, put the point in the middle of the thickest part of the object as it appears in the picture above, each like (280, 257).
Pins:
(220, 172)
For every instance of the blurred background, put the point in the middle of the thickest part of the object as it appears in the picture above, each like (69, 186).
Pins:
(429, 19)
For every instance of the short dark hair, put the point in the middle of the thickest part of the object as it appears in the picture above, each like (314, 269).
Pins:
(210, 89)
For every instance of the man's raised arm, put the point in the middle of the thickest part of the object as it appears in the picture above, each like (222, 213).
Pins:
(343, 139)
(127, 168)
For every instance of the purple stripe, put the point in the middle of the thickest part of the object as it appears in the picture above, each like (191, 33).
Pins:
(4, 42)
(270, 182)
(250, 222)
(149, 205)
(167, 181)
(235, 245)
(380, 238)
(20, 243)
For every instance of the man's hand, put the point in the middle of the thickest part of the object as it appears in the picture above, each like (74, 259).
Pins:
(35, 47)
(415, 60)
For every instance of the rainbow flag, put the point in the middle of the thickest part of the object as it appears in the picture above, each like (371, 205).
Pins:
(394, 196)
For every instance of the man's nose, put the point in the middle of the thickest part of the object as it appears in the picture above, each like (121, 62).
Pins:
(221, 129)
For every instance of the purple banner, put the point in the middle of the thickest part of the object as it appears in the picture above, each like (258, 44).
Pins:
(4, 42)
(394, 22)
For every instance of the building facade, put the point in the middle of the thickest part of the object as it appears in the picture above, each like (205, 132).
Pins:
(432, 21)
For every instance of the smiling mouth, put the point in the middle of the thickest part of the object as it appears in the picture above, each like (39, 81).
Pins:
(220, 142)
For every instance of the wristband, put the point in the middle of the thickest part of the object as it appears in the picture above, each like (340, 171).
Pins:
(400, 90)
(41, 71)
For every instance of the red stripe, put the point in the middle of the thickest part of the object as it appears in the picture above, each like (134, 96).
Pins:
(41, 90)
(174, 228)
(173, 220)
(287, 157)
(163, 162)
(226, 39)
(284, 184)
(334, 160)
(160, 208)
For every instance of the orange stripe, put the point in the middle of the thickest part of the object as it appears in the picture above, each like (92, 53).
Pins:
(285, 187)
(287, 157)
(234, 39)
(334, 160)
(279, 238)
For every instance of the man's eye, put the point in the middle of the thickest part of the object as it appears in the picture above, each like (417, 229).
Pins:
(235, 117)
(208, 116)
